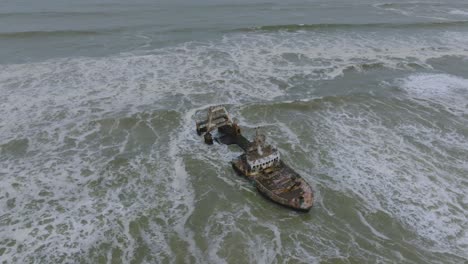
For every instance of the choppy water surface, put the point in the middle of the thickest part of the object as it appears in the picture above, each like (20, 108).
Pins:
(99, 160)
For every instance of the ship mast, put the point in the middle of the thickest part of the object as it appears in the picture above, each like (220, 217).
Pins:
(259, 141)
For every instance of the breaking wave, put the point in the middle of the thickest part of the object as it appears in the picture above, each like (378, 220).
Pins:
(431, 10)
(446, 90)
(305, 27)
(239, 68)
(459, 12)
(56, 33)
(55, 14)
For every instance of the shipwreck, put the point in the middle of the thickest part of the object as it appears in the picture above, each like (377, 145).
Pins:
(260, 161)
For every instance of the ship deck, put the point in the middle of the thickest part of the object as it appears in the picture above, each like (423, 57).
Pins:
(280, 183)
(283, 182)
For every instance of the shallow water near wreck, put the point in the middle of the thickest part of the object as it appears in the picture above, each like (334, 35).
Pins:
(100, 162)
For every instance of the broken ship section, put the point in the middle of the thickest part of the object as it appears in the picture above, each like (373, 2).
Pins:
(260, 162)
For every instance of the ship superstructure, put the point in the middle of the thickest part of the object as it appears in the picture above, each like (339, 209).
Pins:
(259, 156)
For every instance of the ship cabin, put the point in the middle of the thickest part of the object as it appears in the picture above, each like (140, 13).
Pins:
(259, 161)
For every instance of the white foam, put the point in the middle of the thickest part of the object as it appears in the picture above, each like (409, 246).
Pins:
(74, 114)
(435, 85)
(449, 90)
(407, 171)
(90, 214)
(239, 68)
(431, 10)
(458, 12)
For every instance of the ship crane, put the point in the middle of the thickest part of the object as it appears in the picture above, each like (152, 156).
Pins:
(217, 117)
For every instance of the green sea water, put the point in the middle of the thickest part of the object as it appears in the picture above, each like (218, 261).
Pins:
(100, 161)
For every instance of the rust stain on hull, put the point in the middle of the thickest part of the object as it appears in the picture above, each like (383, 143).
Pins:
(281, 184)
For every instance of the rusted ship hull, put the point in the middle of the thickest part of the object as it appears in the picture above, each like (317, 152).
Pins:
(281, 184)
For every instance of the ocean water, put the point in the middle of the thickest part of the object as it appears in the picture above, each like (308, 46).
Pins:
(100, 162)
